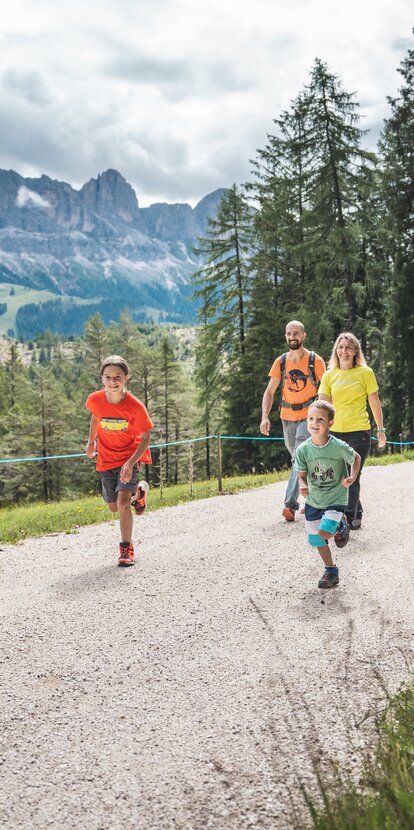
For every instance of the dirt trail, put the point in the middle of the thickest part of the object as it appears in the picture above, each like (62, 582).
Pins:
(192, 690)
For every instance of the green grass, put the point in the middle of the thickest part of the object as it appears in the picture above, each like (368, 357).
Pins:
(385, 460)
(384, 799)
(23, 296)
(66, 516)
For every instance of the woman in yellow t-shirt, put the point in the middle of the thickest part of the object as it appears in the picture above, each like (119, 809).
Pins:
(349, 384)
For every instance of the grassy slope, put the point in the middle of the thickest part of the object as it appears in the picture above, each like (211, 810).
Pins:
(23, 296)
(65, 516)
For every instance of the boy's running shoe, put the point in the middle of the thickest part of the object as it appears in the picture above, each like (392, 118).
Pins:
(288, 514)
(126, 554)
(342, 534)
(139, 502)
(329, 579)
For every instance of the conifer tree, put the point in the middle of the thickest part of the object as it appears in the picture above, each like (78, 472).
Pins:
(223, 279)
(397, 164)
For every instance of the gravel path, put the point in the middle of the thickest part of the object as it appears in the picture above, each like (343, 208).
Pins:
(194, 690)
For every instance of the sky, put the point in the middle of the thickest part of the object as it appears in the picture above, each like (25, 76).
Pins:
(177, 95)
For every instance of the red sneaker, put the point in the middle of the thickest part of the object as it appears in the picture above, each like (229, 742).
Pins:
(139, 502)
(126, 554)
(288, 514)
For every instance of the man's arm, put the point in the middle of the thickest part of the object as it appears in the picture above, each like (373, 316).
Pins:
(93, 429)
(323, 397)
(320, 367)
(267, 404)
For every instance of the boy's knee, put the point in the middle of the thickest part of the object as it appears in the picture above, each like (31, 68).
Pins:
(327, 526)
(113, 506)
(325, 534)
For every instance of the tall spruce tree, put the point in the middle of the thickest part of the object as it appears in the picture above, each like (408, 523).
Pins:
(397, 164)
(337, 166)
(223, 280)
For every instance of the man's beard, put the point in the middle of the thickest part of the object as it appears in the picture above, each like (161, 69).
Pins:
(294, 345)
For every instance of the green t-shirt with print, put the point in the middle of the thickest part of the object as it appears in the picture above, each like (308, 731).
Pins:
(325, 467)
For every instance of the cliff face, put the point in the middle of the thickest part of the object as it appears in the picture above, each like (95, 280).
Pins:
(97, 242)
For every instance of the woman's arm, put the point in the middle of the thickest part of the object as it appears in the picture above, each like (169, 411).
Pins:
(376, 409)
(323, 397)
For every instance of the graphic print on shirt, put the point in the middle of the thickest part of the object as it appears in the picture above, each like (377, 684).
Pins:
(114, 424)
(324, 473)
(296, 380)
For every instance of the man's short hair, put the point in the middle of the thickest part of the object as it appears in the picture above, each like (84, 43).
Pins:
(296, 323)
(326, 405)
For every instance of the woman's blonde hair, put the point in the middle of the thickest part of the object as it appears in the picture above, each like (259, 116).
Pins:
(359, 359)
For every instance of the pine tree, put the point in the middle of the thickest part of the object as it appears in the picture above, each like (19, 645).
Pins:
(337, 165)
(397, 164)
(223, 279)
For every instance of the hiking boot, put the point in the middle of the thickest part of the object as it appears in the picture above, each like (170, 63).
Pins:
(139, 502)
(342, 534)
(288, 514)
(356, 523)
(329, 579)
(126, 554)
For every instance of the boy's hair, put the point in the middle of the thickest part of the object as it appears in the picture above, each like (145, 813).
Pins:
(326, 405)
(114, 360)
(359, 359)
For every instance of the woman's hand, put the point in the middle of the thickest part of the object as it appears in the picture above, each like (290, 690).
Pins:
(304, 490)
(382, 439)
(346, 482)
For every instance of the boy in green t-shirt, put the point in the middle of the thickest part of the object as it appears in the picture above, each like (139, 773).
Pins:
(324, 480)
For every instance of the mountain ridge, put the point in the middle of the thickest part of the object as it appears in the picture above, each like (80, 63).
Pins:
(97, 242)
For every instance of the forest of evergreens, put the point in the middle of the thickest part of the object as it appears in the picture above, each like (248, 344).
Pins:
(323, 232)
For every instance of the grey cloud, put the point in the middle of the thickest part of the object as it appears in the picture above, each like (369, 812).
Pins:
(402, 44)
(28, 85)
(178, 78)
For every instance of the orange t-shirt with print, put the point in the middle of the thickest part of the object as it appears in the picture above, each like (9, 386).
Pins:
(297, 386)
(120, 426)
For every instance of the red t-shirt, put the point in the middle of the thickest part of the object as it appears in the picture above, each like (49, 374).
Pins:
(119, 429)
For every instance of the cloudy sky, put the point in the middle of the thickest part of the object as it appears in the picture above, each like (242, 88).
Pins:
(178, 94)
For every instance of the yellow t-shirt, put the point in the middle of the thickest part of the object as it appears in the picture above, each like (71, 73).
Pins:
(348, 390)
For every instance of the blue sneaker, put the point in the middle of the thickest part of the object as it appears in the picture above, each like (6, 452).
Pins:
(329, 579)
(342, 534)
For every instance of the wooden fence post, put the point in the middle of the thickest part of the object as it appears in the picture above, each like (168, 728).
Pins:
(220, 468)
(191, 470)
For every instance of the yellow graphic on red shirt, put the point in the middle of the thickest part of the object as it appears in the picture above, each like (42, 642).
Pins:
(114, 424)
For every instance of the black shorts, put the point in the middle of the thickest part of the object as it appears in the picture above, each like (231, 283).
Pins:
(111, 485)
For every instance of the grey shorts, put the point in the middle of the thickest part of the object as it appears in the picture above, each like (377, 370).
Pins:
(111, 485)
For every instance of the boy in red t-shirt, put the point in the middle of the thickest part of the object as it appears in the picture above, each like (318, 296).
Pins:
(122, 426)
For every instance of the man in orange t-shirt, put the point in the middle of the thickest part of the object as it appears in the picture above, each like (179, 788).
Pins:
(300, 382)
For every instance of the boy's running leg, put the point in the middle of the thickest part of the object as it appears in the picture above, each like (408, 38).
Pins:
(139, 501)
(126, 553)
(330, 577)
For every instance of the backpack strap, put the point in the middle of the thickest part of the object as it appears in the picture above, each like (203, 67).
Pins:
(311, 369)
(283, 366)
